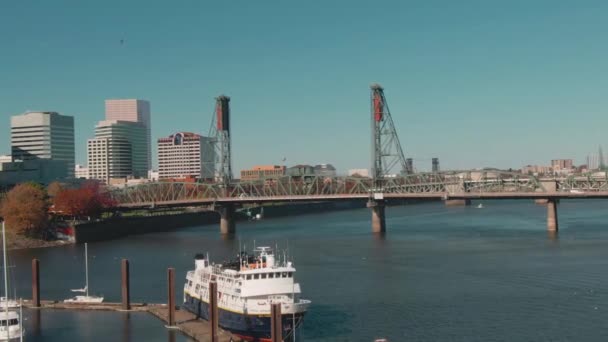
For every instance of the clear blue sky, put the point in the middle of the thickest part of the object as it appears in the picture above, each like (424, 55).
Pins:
(475, 83)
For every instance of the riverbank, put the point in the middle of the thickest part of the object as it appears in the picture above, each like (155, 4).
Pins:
(22, 242)
(118, 227)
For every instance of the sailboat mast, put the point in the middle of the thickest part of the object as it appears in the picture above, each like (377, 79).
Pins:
(86, 268)
(5, 278)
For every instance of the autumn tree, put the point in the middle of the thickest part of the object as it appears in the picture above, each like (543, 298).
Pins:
(54, 188)
(90, 200)
(24, 209)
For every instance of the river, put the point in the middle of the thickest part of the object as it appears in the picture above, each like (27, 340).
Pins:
(439, 274)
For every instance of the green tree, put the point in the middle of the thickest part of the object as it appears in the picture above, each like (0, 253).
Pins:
(24, 209)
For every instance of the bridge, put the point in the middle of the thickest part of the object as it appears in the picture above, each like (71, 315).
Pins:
(455, 187)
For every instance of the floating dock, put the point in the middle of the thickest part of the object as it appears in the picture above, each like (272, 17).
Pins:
(185, 322)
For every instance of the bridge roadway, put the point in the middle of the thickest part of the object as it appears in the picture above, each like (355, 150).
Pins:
(378, 196)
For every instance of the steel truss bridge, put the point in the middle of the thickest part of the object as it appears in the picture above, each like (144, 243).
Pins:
(440, 185)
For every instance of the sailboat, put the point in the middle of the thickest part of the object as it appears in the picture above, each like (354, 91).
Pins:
(10, 321)
(86, 298)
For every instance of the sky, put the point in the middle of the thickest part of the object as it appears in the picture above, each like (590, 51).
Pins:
(474, 83)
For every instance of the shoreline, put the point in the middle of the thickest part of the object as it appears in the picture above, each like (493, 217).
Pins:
(28, 243)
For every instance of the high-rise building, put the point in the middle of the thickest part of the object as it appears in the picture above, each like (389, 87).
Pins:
(118, 151)
(184, 155)
(44, 135)
(135, 111)
(109, 158)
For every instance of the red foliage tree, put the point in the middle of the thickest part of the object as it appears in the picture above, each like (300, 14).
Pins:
(88, 200)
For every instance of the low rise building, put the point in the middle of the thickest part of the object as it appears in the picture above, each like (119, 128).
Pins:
(358, 173)
(262, 172)
(561, 164)
(43, 171)
(326, 170)
(536, 170)
(301, 170)
(81, 172)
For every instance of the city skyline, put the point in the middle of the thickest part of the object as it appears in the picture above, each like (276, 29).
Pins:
(518, 91)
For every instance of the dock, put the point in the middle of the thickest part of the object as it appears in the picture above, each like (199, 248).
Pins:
(180, 320)
(185, 322)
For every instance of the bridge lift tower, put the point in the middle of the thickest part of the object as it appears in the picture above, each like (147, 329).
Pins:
(387, 155)
(221, 166)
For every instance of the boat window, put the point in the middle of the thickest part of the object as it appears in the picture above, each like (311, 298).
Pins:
(277, 275)
(249, 277)
(256, 276)
(263, 275)
(190, 283)
(290, 274)
(270, 275)
(12, 321)
(284, 274)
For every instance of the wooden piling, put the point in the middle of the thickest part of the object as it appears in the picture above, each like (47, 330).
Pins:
(276, 321)
(171, 295)
(125, 285)
(35, 283)
(213, 314)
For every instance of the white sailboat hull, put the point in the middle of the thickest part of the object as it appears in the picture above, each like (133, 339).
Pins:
(84, 299)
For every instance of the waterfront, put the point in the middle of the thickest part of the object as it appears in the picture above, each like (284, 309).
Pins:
(440, 273)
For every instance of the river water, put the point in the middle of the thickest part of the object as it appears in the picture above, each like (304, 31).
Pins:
(439, 274)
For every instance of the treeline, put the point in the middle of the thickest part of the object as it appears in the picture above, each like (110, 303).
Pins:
(29, 208)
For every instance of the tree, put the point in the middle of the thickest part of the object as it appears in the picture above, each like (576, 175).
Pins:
(90, 200)
(25, 209)
(54, 188)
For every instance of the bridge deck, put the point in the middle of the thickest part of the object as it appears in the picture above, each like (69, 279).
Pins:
(313, 198)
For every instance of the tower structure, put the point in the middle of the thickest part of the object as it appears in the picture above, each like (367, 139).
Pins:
(219, 134)
(387, 154)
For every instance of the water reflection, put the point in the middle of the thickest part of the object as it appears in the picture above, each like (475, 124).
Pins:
(36, 322)
(126, 327)
(171, 335)
(553, 236)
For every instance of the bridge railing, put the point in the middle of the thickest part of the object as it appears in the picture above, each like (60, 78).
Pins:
(593, 182)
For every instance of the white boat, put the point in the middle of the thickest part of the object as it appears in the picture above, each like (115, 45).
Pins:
(480, 206)
(86, 298)
(10, 321)
(246, 287)
(12, 304)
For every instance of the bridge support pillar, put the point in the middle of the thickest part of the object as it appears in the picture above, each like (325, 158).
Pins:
(552, 223)
(378, 217)
(227, 225)
(457, 202)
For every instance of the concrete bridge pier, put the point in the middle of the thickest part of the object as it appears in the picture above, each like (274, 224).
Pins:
(457, 202)
(378, 217)
(552, 223)
(227, 216)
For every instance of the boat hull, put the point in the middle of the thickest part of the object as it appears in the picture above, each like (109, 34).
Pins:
(247, 327)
